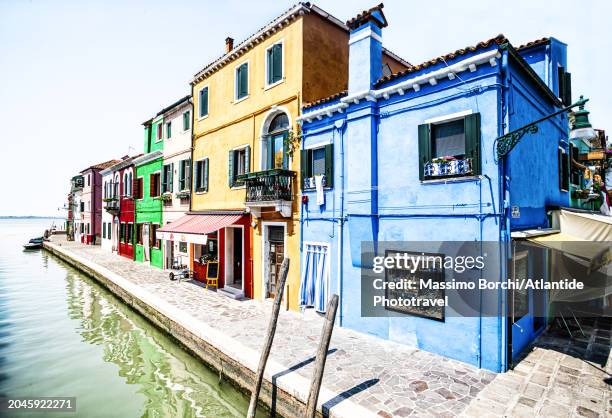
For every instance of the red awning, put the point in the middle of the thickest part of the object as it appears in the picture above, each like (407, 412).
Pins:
(194, 228)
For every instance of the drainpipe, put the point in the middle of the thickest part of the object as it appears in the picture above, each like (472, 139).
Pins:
(504, 126)
(340, 125)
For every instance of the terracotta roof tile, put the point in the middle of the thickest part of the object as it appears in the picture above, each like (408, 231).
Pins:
(326, 99)
(368, 15)
(102, 166)
(536, 42)
(498, 40)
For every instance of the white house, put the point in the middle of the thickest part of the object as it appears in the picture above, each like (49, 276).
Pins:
(176, 175)
(110, 209)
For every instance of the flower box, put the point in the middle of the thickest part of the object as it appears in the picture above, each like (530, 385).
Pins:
(447, 167)
(183, 195)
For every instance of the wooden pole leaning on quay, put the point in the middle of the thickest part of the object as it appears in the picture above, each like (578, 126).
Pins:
(317, 377)
(284, 271)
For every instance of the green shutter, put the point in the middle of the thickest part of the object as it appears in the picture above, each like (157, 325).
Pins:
(188, 174)
(206, 174)
(182, 175)
(424, 148)
(230, 169)
(277, 63)
(243, 80)
(567, 93)
(270, 153)
(204, 102)
(329, 165)
(247, 159)
(270, 62)
(171, 181)
(472, 140)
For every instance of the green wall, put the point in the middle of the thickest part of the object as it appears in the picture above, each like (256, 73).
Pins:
(150, 135)
(149, 209)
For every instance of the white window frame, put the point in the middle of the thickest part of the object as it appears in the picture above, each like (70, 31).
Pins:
(248, 64)
(282, 80)
(166, 124)
(160, 129)
(206, 86)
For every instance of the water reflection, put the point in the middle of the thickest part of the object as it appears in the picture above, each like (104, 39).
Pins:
(172, 382)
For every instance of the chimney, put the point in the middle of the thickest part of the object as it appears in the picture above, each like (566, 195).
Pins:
(229, 44)
(365, 49)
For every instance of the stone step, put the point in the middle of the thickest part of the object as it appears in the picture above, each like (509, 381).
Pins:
(231, 292)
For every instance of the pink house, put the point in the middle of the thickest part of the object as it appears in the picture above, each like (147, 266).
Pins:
(92, 202)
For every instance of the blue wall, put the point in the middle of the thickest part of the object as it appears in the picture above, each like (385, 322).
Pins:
(376, 159)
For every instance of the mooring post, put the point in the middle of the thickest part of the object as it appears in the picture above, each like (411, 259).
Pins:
(269, 338)
(317, 377)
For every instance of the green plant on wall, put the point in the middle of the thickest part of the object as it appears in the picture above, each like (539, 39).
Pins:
(292, 141)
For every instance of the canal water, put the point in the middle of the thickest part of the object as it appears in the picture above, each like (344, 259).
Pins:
(61, 334)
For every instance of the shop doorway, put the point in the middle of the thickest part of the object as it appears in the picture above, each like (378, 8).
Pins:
(169, 250)
(234, 257)
(274, 246)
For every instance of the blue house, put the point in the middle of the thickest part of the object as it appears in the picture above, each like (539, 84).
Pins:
(413, 157)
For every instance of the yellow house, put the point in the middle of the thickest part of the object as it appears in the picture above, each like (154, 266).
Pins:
(245, 201)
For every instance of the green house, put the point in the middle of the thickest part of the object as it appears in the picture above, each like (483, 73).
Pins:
(147, 190)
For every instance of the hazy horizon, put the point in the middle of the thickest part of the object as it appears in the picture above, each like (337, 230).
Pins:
(79, 78)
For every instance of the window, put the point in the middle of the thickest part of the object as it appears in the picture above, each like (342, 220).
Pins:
(316, 275)
(450, 148)
(82, 228)
(274, 151)
(130, 231)
(167, 178)
(416, 272)
(242, 81)
(109, 233)
(82, 206)
(122, 232)
(159, 132)
(201, 175)
(153, 242)
(238, 164)
(154, 186)
(274, 64)
(139, 233)
(168, 130)
(138, 192)
(186, 120)
(104, 230)
(203, 102)
(88, 179)
(564, 172)
(184, 175)
(317, 162)
(182, 247)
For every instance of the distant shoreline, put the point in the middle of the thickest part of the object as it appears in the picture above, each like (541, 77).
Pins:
(31, 217)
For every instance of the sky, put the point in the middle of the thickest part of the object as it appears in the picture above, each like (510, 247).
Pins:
(77, 78)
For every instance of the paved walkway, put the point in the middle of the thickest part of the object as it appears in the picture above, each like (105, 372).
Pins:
(386, 378)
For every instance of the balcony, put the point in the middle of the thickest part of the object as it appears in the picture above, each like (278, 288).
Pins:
(111, 205)
(269, 188)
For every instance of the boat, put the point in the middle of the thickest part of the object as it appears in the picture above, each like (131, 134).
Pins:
(34, 244)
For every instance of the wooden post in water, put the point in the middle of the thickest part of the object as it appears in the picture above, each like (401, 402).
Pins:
(284, 270)
(317, 377)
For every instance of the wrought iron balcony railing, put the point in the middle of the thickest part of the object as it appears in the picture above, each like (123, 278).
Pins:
(111, 205)
(268, 186)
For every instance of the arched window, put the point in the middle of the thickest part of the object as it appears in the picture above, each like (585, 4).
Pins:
(115, 190)
(274, 147)
(129, 185)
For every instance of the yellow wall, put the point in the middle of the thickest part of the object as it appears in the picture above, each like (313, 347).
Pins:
(315, 66)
